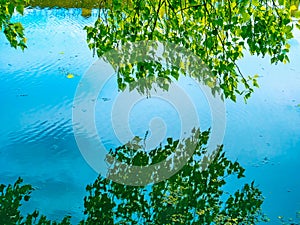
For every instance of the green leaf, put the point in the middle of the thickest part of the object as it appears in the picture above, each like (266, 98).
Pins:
(20, 9)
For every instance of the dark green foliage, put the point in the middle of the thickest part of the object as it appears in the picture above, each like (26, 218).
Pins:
(10, 201)
(14, 32)
(219, 32)
(192, 196)
(11, 197)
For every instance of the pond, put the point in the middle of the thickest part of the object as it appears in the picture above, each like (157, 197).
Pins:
(37, 139)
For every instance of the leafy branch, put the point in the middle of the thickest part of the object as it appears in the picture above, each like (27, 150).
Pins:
(219, 32)
(14, 32)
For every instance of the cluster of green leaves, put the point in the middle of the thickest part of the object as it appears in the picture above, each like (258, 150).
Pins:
(158, 164)
(293, 5)
(192, 196)
(14, 31)
(145, 65)
(217, 31)
(11, 197)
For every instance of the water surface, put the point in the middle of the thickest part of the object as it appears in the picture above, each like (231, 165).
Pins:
(36, 136)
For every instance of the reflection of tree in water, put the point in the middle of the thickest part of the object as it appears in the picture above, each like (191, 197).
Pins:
(144, 65)
(194, 195)
(131, 164)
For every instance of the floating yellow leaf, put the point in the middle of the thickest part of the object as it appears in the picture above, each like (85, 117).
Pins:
(70, 76)
(61, 53)
(293, 7)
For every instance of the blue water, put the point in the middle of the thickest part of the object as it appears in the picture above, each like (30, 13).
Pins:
(36, 135)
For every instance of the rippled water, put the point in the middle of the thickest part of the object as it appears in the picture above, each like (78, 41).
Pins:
(36, 136)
